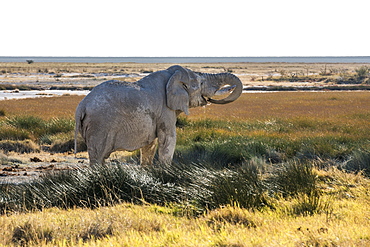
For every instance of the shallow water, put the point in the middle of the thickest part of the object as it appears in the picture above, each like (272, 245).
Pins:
(15, 94)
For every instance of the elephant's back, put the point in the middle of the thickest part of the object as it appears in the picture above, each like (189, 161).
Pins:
(115, 88)
(119, 99)
(111, 94)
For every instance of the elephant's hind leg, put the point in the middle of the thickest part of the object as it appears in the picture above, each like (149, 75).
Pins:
(99, 153)
(147, 153)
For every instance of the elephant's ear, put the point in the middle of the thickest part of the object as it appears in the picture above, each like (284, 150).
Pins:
(177, 96)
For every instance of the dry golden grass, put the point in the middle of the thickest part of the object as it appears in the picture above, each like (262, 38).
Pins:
(46, 108)
(151, 225)
(283, 105)
(250, 106)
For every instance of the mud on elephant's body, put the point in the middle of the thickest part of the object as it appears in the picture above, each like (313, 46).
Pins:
(118, 115)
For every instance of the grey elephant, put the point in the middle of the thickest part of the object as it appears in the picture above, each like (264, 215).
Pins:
(118, 115)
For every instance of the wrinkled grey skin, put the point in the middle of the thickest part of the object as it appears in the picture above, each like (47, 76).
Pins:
(118, 115)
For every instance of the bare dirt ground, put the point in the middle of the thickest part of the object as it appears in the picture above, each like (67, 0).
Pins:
(17, 168)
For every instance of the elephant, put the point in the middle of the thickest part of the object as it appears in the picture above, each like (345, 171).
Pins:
(118, 115)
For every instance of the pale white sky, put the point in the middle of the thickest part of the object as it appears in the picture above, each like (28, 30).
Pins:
(184, 28)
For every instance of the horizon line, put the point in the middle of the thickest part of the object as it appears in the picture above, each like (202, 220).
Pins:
(184, 56)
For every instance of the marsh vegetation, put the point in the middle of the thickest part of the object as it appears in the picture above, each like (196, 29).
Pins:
(280, 169)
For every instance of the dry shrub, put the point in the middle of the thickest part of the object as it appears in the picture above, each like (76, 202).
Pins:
(230, 215)
(26, 234)
(96, 231)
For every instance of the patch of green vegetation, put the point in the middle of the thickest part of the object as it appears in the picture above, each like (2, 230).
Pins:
(55, 131)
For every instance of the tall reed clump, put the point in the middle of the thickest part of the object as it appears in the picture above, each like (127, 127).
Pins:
(243, 187)
(359, 162)
(90, 187)
(298, 182)
(200, 187)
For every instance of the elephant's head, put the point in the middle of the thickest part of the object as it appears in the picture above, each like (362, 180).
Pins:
(186, 88)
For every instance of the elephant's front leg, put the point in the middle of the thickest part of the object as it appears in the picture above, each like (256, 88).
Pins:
(166, 144)
(147, 153)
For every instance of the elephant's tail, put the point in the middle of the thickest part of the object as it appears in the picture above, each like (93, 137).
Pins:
(76, 134)
(78, 118)
(77, 130)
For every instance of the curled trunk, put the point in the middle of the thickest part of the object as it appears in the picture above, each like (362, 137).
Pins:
(214, 82)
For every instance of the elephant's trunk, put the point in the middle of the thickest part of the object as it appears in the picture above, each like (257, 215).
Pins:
(214, 82)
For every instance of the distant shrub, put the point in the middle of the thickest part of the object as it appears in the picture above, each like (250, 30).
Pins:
(2, 113)
(362, 72)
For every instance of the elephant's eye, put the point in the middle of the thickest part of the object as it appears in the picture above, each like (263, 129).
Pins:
(185, 86)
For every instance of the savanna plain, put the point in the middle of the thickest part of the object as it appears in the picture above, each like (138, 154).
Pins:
(281, 168)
